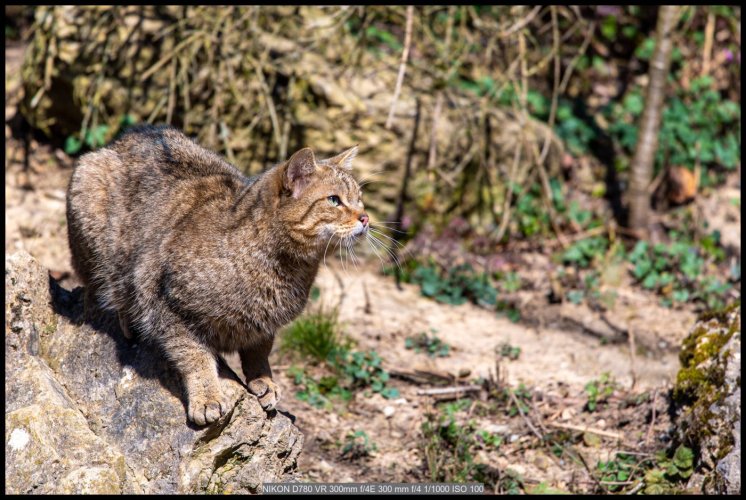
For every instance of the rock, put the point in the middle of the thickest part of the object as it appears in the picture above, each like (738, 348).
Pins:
(86, 412)
(708, 399)
(497, 428)
(389, 411)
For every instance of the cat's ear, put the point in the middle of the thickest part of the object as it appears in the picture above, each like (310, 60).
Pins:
(344, 160)
(301, 166)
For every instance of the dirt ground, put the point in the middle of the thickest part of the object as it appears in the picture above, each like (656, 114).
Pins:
(556, 360)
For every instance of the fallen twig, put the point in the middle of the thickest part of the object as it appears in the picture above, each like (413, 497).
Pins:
(637, 488)
(449, 390)
(528, 421)
(423, 376)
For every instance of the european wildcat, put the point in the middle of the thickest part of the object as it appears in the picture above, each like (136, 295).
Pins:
(199, 258)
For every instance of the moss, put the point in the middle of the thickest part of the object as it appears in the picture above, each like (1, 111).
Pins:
(50, 327)
(700, 382)
(721, 315)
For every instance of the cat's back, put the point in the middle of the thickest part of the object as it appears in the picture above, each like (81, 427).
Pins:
(151, 156)
(146, 165)
(127, 195)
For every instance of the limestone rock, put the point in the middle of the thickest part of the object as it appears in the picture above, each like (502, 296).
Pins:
(86, 412)
(708, 392)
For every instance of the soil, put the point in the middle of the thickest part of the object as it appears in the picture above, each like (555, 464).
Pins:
(557, 357)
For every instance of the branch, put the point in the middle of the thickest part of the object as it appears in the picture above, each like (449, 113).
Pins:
(403, 65)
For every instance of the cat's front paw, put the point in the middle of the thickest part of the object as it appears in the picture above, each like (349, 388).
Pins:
(266, 391)
(205, 409)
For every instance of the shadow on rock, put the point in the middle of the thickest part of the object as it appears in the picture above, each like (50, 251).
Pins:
(144, 358)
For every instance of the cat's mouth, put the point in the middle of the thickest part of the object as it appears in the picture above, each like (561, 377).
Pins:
(359, 230)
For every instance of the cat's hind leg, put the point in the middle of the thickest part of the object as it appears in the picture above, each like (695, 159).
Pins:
(255, 366)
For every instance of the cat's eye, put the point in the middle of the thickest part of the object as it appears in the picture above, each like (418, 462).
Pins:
(334, 201)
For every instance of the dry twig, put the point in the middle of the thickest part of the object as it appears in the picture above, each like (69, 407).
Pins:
(403, 65)
(461, 389)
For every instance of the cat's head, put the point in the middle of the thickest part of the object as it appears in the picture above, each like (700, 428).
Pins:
(321, 201)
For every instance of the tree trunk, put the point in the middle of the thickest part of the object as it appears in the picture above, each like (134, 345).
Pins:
(647, 143)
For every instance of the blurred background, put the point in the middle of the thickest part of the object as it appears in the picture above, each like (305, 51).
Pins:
(562, 183)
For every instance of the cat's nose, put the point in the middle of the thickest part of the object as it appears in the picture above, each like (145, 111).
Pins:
(364, 219)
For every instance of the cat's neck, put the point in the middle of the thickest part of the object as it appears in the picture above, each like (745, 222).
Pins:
(255, 210)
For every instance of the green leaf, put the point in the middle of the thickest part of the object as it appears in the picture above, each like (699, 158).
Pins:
(72, 145)
(390, 393)
(634, 104)
(608, 27)
(575, 296)
(650, 281)
(573, 254)
(430, 288)
(680, 295)
(645, 49)
(514, 315)
(683, 458)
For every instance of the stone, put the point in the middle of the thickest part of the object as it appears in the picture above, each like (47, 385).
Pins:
(87, 412)
(707, 395)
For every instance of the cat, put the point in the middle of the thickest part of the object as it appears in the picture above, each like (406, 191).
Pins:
(199, 259)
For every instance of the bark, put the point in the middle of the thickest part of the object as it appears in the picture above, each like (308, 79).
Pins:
(647, 144)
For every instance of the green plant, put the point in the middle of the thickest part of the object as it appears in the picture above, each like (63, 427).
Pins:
(361, 370)
(617, 470)
(582, 253)
(457, 286)
(489, 439)
(310, 391)
(599, 390)
(448, 448)
(316, 335)
(511, 483)
(663, 479)
(95, 137)
(357, 445)
(698, 126)
(676, 271)
(509, 282)
(433, 346)
(519, 404)
(509, 351)
(573, 130)
(531, 214)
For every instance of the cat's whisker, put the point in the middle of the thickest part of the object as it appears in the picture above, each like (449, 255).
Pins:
(372, 174)
(402, 248)
(339, 240)
(361, 184)
(358, 259)
(372, 246)
(342, 256)
(352, 252)
(388, 228)
(386, 222)
(387, 250)
(395, 242)
(327, 248)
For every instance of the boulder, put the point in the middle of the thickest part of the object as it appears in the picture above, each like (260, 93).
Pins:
(708, 399)
(88, 412)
